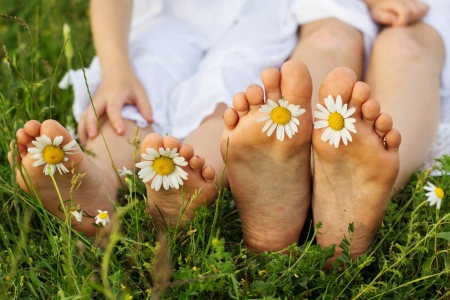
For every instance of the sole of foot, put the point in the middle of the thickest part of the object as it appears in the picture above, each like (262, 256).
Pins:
(97, 186)
(270, 179)
(353, 183)
(174, 206)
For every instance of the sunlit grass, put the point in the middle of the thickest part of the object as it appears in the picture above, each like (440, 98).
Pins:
(41, 257)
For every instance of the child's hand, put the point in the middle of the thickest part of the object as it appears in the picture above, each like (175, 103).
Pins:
(397, 12)
(117, 89)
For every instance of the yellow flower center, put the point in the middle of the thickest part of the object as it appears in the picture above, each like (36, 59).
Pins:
(336, 121)
(281, 115)
(439, 192)
(53, 154)
(103, 215)
(163, 165)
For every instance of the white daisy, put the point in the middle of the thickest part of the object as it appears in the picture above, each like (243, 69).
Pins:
(163, 167)
(78, 215)
(282, 117)
(435, 195)
(336, 118)
(102, 217)
(51, 154)
(125, 172)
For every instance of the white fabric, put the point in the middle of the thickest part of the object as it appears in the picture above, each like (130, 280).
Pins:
(356, 14)
(192, 55)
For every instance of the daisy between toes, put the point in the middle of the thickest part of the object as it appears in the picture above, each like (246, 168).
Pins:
(335, 117)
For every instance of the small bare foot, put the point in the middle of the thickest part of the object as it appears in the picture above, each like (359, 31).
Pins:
(353, 182)
(169, 196)
(98, 184)
(270, 179)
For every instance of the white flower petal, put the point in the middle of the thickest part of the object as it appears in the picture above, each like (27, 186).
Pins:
(264, 118)
(267, 125)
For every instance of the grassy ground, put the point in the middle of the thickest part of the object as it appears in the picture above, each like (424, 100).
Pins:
(42, 258)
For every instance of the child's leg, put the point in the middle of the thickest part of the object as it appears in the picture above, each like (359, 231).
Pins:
(404, 73)
(100, 184)
(327, 44)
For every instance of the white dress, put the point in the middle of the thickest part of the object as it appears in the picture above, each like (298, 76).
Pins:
(192, 55)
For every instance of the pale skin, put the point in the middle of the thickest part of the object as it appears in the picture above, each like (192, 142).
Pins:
(394, 58)
(250, 151)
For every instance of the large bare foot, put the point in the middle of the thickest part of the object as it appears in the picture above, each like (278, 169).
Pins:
(270, 179)
(168, 199)
(353, 182)
(98, 185)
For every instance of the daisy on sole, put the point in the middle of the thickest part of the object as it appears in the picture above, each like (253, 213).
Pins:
(282, 117)
(335, 118)
(102, 217)
(51, 154)
(163, 167)
(435, 195)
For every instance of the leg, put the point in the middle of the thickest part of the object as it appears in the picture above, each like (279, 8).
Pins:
(270, 179)
(327, 44)
(353, 183)
(404, 74)
(100, 182)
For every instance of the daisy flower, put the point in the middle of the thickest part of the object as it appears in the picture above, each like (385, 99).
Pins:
(125, 172)
(51, 154)
(78, 215)
(335, 117)
(435, 195)
(163, 167)
(102, 217)
(282, 117)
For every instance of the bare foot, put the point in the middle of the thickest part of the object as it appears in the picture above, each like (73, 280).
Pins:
(270, 179)
(175, 199)
(353, 183)
(98, 184)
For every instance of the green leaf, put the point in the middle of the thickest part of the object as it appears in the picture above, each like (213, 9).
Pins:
(444, 235)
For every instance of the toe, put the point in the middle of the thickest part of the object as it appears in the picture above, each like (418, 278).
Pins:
(370, 111)
(383, 124)
(33, 128)
(186, 151)
(52, 129)
(240, 104)
(296, 83)
(196, 162)
(152, 140)
(230, 118)
(393, 139)
(271, 80)
(340, 81)
(255, 96)
(171, 142)
(208, 173)
(24, 139)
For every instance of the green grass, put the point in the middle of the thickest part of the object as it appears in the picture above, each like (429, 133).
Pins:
(42, 258)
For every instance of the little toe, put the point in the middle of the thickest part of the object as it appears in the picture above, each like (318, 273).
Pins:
(393, 140)
(255, 96)
(271, 79)
(240, 104)
(383, 124)
(208, 173)
(230, 118)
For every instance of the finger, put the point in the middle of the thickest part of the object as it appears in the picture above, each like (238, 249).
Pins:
(114, 111)
(384, 16)
(91, 119)
(405, 13)
(143, 105)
